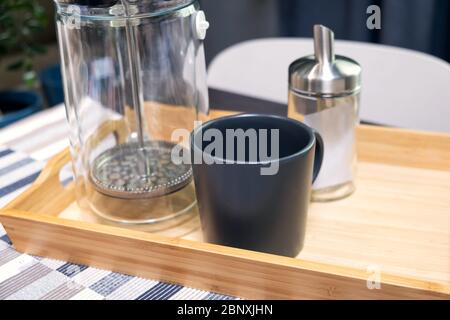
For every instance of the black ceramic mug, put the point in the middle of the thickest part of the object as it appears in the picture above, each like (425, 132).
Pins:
(248, 199)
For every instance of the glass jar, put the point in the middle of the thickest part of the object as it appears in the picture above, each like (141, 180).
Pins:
(324, 93)
(133, 72)
(335, 118)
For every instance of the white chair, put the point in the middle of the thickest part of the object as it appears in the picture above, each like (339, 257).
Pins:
(401, 88)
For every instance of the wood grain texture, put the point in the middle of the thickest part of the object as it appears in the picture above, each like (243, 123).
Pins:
(404, 147)
(390, 223)
(221, 269)
(398, 222)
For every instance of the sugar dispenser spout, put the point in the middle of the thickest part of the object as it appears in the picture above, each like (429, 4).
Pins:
(323, 44)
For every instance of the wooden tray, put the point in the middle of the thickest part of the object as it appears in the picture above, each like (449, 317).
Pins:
(395, 228)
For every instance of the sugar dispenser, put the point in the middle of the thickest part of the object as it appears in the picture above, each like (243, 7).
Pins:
(133, 72)
(324, 92)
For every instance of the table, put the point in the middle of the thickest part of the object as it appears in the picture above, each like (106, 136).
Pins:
(24, 149)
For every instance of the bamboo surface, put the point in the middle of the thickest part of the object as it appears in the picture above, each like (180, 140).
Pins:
(396, 227)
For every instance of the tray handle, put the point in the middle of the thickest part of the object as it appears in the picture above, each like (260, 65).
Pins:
(46, 195)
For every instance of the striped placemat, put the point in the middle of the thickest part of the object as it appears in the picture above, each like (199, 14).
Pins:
(23, 276)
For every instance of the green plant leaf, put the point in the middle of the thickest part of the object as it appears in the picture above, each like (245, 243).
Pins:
(16, 65)
(38, 49)
(30, 79)
(20, 21)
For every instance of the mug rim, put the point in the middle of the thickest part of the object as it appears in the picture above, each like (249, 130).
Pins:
(301, 152)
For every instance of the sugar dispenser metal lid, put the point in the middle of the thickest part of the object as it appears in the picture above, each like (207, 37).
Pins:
(324, 73)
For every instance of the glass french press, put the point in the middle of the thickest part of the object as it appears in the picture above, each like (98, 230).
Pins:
(133, 71)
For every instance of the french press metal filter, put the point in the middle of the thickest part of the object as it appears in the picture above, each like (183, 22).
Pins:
(324, 92)
(133, 72)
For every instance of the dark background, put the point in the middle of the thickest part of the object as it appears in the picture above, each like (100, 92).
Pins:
(421, 25)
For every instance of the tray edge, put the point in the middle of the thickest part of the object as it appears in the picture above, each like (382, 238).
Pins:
(227, 269)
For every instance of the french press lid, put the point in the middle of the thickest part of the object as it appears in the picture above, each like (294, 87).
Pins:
(324, 73)
(158, 4)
